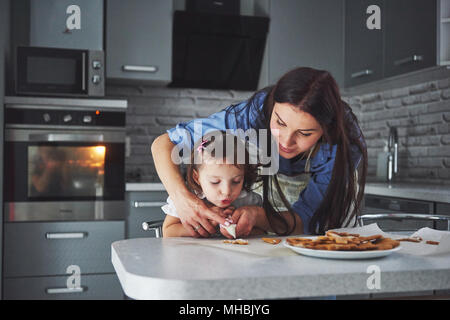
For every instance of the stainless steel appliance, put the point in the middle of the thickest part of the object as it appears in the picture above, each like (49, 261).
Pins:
(59, 72)
(64, 159)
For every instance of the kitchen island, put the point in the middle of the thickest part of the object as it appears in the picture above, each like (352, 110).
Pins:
(176, 268)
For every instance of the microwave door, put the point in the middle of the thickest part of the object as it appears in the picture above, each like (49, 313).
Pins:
(45, 70)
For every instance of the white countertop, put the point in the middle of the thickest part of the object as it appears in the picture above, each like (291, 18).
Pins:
(425, 192)
(176, 268)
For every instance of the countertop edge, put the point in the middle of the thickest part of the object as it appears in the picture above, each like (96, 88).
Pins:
(407, 193)
(141, 287)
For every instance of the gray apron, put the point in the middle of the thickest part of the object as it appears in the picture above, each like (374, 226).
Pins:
(291, 186)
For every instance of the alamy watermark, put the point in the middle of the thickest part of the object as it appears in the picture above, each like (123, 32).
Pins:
(374, 20)
(262, 148)
(74, 280)
(374, 280)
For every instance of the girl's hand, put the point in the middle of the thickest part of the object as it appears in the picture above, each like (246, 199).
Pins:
(227, 214)
(196, 216)
(245, 218)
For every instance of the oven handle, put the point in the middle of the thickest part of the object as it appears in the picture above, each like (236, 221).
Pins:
(67, 137)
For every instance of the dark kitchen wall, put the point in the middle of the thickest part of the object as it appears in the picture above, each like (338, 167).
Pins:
(418, 104)
(151, 111)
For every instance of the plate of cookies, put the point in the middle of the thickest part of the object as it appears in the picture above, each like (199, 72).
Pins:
(342, 245)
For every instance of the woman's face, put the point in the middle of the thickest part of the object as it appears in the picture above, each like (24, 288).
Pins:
(295, 131)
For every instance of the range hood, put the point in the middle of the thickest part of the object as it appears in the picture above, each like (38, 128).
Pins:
(215, 51)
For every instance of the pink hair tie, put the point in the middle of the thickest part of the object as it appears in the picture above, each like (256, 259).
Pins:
(202, 145)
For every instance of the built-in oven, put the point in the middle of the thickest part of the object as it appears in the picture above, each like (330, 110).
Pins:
(64, 159)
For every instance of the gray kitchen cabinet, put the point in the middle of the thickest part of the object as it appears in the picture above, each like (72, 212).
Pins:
(410, 36)
(40, 257)
(442, 209)
(52, 247)
(306, 33)
(72, 24)
(363, 46)
(143, 206)
(92, 286)
(139, 40)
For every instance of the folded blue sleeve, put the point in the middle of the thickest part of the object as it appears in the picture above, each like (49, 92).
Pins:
(311, 197)
(243, 116)
(186, 133)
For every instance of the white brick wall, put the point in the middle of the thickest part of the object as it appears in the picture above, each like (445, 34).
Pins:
(151, 111)
(421, 114)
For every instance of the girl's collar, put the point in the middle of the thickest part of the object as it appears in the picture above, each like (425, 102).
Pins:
(243, 194)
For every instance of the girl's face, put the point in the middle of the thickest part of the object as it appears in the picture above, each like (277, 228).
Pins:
(295, 131)
(221, 183)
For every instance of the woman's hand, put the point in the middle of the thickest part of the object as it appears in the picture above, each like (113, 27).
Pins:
(196, 217)
(246, 218)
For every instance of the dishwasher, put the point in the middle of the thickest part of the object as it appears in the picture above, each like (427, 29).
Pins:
(401, 216)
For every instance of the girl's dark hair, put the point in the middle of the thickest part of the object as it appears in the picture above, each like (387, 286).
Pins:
(317, 93)
(216, 144)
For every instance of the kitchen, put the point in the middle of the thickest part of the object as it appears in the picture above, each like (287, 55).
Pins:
(396, 79)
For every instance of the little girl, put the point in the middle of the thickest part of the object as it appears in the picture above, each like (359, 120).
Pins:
(215, 175)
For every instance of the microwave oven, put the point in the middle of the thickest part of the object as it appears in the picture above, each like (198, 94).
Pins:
(45, 71)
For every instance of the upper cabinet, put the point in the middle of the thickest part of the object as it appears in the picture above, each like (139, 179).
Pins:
(306, 33)
(444, 32)
(70, 24)
(363, 46)
(139, 40)
(410, 35)
(406, 41)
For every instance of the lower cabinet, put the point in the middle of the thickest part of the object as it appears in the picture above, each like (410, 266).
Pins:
(143, 206)
(45, 260)
(95, 286)
(379, 205)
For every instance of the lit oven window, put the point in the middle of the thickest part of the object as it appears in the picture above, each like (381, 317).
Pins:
(66, 171)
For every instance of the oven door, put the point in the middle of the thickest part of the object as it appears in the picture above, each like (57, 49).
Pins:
(64, 175)
(51, 71)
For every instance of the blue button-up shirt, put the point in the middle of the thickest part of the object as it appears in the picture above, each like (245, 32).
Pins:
(322, 163)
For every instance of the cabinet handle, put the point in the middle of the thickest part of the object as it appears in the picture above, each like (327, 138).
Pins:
(65, 290)
(151, 69)
(83, 72)
(362, 73)
(143, 204)
(412, 58)
(65, 235)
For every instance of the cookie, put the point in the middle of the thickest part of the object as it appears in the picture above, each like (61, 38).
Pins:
(271, 240)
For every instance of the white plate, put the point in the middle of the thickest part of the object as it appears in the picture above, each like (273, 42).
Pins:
(350, 255)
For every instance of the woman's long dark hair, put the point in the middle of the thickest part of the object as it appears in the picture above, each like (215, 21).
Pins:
(317, 93)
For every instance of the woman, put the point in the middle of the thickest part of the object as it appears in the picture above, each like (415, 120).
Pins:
(321, 148)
